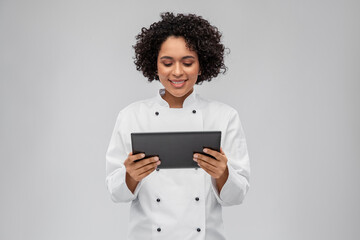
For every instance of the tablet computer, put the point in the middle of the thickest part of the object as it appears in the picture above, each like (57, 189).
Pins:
(175, 149)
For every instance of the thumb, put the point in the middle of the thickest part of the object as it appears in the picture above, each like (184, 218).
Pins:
(221, 151)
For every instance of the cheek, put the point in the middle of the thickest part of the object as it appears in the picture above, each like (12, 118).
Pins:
(163, 71)
(192, 72)
(163, 75)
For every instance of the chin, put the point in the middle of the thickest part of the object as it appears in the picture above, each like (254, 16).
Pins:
(178, 92)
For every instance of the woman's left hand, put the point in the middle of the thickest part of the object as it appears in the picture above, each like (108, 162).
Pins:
(217, 167)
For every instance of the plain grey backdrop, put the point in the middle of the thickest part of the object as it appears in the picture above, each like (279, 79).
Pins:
(66, 69)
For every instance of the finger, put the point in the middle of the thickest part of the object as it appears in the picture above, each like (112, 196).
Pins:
(146, 173)
(135, 157)
(207, 159)
(145, 162)
(207, 165)
(206, 169)
(213, 153)
(128, 158)
(222, 151)
(146, 168)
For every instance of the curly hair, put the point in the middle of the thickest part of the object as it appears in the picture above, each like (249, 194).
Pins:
(199, 36)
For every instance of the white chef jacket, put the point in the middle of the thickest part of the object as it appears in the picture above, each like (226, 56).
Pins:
(178, 203)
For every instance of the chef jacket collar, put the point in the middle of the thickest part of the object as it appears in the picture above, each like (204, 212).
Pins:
(189, 100)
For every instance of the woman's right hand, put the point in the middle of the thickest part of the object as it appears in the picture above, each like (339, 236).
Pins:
(136, 171)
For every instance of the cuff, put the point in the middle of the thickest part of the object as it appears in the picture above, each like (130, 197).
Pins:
(231, 193)
(119, 191)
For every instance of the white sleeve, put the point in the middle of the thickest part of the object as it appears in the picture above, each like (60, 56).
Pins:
(115, 169)
(234, 146)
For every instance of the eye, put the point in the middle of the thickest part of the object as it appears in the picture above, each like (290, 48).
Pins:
(167, 64)
(187, 64)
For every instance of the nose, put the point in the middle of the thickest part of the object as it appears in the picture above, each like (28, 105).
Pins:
(178, 70)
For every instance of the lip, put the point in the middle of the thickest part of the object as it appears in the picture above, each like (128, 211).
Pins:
(179, 80)
(177, 85)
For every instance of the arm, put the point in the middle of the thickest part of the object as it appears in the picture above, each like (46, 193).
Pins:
(229, 173)
(124, 175)
(237, 184)
(115, 169)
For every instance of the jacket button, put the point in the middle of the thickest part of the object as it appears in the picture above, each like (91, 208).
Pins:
(198, 229)
(194, 111)
(158, 169)
(159, 229)
(156, 113)
(158, 200)
(197, 199)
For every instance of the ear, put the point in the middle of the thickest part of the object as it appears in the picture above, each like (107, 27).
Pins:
(199, 73)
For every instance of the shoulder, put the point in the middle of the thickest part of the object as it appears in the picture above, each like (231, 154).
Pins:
(135, 107)
(216, 107)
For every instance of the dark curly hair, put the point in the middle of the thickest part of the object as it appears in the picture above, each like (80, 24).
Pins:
(199, 36)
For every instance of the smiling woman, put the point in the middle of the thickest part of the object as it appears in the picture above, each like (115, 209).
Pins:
(180, 52)
(199, 35)
(178, 70)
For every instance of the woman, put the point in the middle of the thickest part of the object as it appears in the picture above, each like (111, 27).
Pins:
(179, 51)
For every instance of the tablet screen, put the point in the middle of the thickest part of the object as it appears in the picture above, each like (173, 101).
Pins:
(175, 149)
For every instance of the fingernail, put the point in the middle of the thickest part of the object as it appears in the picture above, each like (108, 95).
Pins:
(195, 155)
(142, 155)
(195, 159)
(205, 150)
(156, 158)
(158, 163)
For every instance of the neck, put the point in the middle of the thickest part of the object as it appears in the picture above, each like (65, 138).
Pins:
(175, 102)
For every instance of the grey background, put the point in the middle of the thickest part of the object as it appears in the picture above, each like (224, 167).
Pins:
(66, 69)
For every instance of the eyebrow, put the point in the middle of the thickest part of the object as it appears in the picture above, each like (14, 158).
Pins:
(185, 57)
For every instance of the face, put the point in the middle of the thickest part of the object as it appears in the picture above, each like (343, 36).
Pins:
(177, 67)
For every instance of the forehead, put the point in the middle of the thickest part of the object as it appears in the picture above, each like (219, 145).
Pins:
(175, 47)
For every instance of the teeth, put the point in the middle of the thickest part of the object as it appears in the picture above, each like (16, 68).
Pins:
(177, 82)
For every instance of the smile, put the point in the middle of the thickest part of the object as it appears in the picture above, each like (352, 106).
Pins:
(178, 83)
